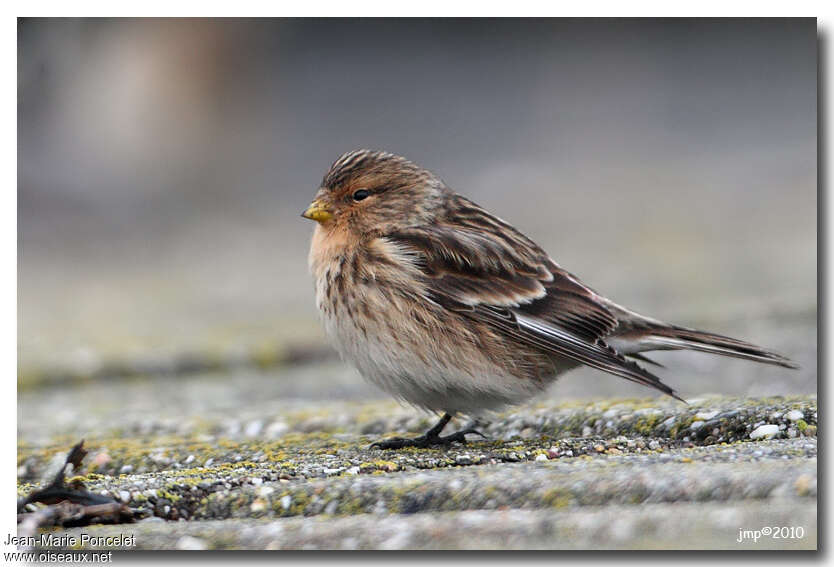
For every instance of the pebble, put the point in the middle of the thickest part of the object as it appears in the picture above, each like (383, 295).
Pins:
(463, 460)
(541, 457)
(124, 496)
(654, 445)
(276, 429)
(286, 501)
(764, 431)
(696, 425)
(253, 428)
(126, 469)
(705, 415)
(188, 460)
(100, 460)
(795, 415)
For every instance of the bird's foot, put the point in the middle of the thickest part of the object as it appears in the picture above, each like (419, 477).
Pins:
(427, 440)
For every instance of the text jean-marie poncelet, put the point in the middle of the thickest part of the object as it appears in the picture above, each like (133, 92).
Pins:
(72, 540)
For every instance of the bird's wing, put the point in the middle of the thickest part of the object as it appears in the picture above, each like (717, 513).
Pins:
(479, 265)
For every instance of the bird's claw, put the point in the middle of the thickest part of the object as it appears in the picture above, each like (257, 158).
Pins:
(424, 441)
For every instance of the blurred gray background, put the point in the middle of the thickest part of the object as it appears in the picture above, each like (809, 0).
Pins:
(163, 165)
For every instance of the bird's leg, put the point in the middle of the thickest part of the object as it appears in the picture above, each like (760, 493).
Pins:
(430, 438)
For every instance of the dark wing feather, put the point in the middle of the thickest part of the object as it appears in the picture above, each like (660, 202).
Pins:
(477, 264)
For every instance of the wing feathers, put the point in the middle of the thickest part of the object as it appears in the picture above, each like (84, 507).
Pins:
(476, 264)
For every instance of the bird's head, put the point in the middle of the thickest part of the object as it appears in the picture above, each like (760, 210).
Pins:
(372, 192)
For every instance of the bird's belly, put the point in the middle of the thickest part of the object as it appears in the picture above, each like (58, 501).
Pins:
(418, 358)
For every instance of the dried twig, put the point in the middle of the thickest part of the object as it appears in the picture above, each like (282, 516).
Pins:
(69, 505)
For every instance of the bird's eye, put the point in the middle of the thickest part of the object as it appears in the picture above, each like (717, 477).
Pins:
(361, 194)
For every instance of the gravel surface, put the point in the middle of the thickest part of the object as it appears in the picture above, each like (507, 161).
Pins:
(307, 477)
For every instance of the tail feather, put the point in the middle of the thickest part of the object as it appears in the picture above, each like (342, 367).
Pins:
(658, 337)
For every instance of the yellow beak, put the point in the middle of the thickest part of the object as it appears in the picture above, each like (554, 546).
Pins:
(317, 211)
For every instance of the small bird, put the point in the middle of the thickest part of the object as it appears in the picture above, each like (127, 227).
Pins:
(449, 308)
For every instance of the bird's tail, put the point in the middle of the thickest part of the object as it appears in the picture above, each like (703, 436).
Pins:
(645, 334)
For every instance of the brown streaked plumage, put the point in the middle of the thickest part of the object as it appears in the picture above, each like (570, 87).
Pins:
(451, 309)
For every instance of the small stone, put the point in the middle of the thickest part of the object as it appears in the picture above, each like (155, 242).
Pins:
(100, 460)
(190, 543)
(276, 429)
(126, 469)
(599, 448)
(258, 505)
(705, 415)
(124, 496)
(208, 462)
(696, 425)
(286, 501)
(654, 445)
(541, 457)
(352, 471)
(764, 431)
(795, 415)
(257, 481)
(253, 428)
(587, 431)
(463, 460)
(188, 460)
